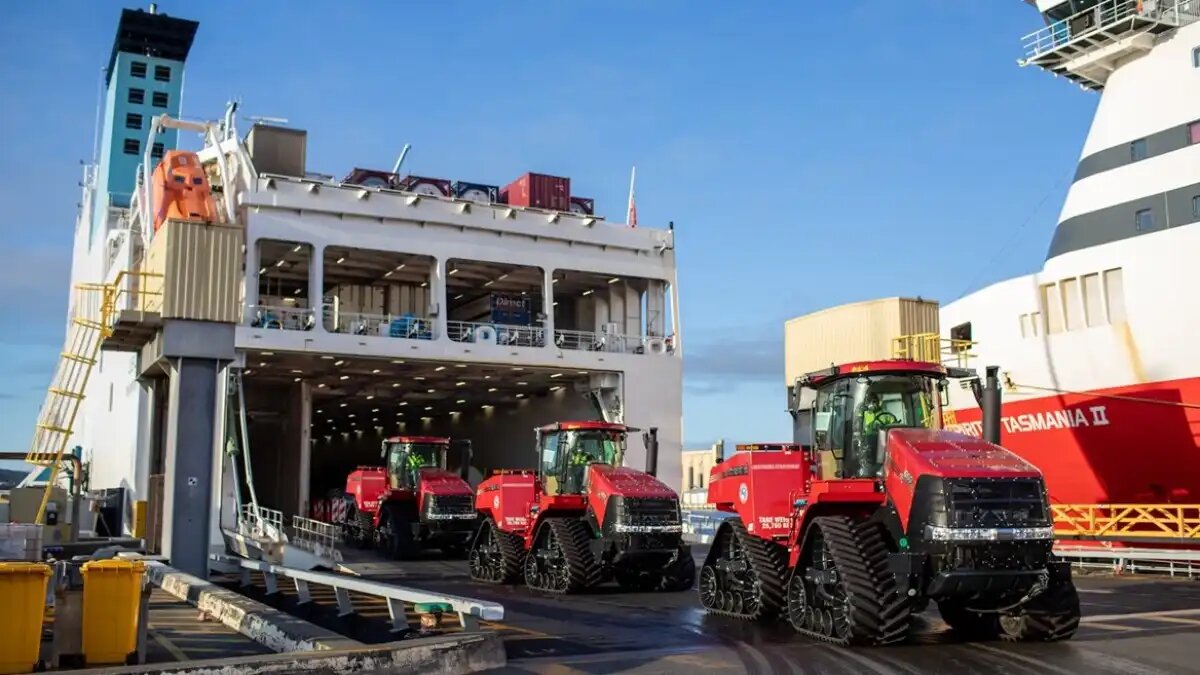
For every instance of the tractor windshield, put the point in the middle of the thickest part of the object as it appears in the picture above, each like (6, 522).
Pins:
(851, 412)
(567, 454)
(404, 460)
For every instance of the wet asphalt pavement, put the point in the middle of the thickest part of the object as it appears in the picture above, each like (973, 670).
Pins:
(1131, 625)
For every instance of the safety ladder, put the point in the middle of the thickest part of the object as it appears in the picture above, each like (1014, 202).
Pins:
(87, 328)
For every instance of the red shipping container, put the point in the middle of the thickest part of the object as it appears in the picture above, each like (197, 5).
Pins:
(539, 191)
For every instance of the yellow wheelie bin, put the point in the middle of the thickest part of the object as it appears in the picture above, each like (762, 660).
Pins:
(23, 588)
(112, 591)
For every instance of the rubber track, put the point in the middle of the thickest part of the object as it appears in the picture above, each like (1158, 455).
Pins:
(768, 560)
(512, 555)
(575, 537)
(879, 615)
(1052, 616)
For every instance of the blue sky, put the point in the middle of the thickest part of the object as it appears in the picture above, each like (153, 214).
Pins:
(809, 153)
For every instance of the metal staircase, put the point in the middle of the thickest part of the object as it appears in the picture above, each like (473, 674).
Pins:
(87, 328)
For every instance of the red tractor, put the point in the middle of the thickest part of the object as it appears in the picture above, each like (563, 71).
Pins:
(413, 502)
(581, 518)
(884, 513)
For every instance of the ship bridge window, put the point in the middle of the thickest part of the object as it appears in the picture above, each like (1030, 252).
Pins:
(283, 291)
(1144, 220)
(378, 293)
(497, 302)
(1137, 150)
(162, 73)
(1194, 132)
(159, 99)
(137, 68)
(131, 146)
(137, 96)
(133, 121)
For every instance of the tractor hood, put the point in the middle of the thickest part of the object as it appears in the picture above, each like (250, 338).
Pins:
(627, 482)
(442, 482)
(936, 452)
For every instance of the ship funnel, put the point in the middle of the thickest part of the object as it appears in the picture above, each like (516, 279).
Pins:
(991, 406)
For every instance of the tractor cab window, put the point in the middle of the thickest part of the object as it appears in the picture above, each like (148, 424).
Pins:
(567, 454)
(406, 459)
(851, 413)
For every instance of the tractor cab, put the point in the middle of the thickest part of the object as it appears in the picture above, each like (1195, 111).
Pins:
(856, 404)
(407, 455)
(566, 449)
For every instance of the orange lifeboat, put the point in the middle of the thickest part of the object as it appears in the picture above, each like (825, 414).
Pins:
(181, 190)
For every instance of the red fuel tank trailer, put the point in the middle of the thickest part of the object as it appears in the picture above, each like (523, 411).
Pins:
(883, 513)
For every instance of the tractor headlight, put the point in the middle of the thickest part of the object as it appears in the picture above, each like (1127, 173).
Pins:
(981, 534)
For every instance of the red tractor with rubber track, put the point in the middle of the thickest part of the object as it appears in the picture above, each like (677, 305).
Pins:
(581, 518)
(413, 502)
(884, 513)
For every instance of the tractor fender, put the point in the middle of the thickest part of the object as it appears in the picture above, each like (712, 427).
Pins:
(721, 529)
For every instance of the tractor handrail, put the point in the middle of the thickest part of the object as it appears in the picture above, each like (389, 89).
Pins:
(470, 611)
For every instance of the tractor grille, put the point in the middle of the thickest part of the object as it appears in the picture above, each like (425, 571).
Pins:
(451, 503)
(644, 512)
(996, 503)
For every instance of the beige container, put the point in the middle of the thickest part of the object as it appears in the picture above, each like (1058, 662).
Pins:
(860, 331)
(201, 272)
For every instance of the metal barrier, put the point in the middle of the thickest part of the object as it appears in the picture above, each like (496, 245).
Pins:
(280, 318)
(320, 538)
(501, 334)
(1103, 17)
(384, 325)
(1133, 560)
(263, 523)
(1161, 522)
(469, 610)
(933, 348)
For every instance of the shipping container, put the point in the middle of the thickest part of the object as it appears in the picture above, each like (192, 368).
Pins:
(583, 205)
(860, 331)
(277, 150)
(195, 272)
(476, 192)
(371, 178)
(424, 185)
(539, 191)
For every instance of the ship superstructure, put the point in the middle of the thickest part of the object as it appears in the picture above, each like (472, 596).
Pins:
(1104, 383)
(349, 309)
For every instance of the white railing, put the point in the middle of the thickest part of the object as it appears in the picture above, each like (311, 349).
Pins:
(384, 325)
(1105, 15)
(470, 611)
(611, 342)
(279, 318)
(262, 523)
(320, 538)
(496, 333)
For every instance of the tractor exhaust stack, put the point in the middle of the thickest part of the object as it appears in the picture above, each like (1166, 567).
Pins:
(991, 406)
(650, 438)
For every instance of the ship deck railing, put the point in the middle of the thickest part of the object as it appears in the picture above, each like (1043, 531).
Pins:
(384, 325)
(1107, 20)
(504, 334)
(933, 348)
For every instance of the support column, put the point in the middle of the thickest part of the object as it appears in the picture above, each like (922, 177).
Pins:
(316, 287)
(548, 306)
(437, 298)
(655, 308)
(191, 426)
(253, 265)
(145, 437)
(305, 449)
(222, 505)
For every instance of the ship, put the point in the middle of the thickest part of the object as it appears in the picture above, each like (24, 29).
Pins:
(1096, 348)
(244, 325)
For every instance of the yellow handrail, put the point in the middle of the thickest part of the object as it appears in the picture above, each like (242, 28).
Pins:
(932, 348)
(93, 315)
(1128, 521)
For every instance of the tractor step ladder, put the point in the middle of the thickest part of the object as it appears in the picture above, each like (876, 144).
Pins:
(86, 330)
